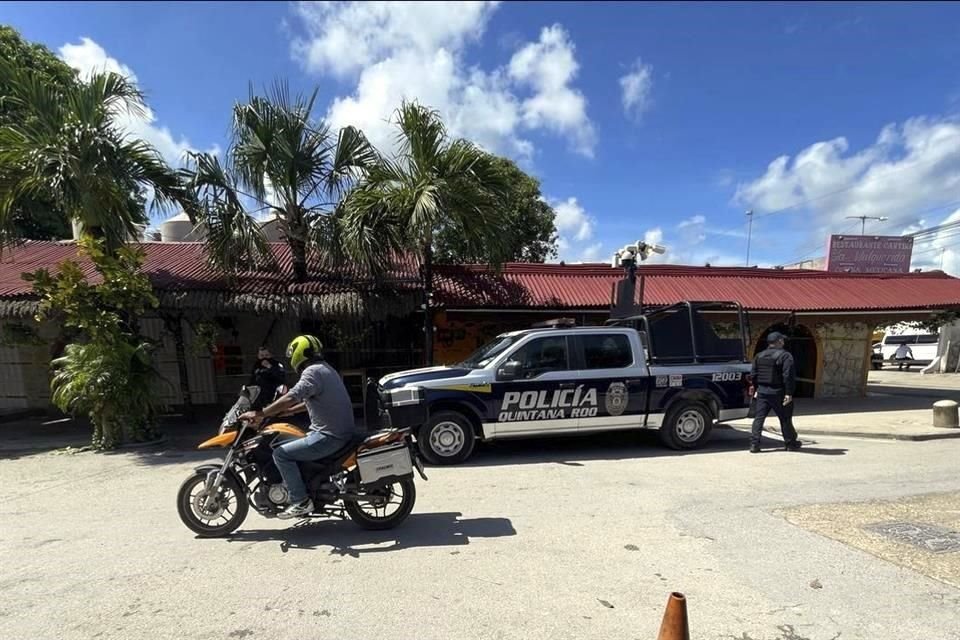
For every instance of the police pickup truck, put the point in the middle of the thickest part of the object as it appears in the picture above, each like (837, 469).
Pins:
(578, 380)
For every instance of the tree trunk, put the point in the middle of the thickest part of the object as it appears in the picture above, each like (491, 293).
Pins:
(299, 250)
(428, 303)
(297, 238)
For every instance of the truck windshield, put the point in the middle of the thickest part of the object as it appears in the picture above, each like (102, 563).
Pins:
(488, 352)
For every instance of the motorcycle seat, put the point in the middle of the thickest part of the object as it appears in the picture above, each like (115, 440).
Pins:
(335, 458)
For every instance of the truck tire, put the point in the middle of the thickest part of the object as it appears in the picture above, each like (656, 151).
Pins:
(687, 425)
(447, 438)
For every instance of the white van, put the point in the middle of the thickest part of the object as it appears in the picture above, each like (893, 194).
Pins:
(922, 343)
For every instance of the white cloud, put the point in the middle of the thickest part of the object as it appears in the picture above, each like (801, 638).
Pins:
(415, 50)
(549, 66)
(88, 57)
(687, 244)
(908, 170)
(575, 228)
(346, 37)
(572, 220)
(636, 87)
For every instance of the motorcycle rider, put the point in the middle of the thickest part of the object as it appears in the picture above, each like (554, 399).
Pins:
(328, 404)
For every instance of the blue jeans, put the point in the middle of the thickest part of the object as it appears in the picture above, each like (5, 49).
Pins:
(313, 446)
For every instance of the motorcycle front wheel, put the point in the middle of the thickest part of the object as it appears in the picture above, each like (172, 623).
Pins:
(222, 517)
(387, 508)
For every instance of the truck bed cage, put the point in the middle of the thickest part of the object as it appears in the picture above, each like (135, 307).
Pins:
(692, 332)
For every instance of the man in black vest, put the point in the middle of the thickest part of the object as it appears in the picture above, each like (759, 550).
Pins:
(775, 379)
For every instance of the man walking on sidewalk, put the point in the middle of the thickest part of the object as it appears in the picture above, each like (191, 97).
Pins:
(775, 378)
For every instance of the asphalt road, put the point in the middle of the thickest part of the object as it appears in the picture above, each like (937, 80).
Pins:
(563, 539)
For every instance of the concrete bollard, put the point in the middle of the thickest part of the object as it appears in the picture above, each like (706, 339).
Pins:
(945, 414)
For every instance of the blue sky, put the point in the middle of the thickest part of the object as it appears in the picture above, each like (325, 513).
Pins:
(664, 121)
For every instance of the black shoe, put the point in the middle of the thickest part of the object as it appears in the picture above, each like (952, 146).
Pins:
(793, 446)
(754, 449)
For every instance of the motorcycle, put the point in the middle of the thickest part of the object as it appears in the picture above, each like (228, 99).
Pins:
(369, 480)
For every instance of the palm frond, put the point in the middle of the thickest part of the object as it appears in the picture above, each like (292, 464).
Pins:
(368, 228)
(421, 135)
(352, 156)
(235, 240)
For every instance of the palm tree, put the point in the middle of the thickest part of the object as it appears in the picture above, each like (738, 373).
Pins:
(72, 148)
(282, 162)
(434, 183)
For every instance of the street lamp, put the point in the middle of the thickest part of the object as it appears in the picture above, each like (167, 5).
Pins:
(749, 234)
(863, 221)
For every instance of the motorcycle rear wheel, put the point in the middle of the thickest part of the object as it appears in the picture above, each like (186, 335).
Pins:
(361, 514)
(232, 502)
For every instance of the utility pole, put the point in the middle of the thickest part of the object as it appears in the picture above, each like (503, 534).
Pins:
(749, 234)
(943, 250)
(863, 221)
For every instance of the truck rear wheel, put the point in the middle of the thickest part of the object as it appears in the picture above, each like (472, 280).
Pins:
(447, 438)
(687, 425)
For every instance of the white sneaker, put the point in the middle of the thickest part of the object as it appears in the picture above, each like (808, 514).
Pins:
(303, 508)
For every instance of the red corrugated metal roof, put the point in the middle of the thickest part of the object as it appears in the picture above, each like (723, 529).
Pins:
(183, 266)
(589, 287)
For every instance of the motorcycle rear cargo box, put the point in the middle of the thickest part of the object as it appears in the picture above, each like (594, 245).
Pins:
(385, 465)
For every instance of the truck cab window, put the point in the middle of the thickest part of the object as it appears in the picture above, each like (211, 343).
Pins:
(607, 351)
(541, 356)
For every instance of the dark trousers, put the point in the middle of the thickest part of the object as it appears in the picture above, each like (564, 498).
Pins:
(773, 402)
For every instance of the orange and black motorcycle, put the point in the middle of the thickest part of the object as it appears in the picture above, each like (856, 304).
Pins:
(370, 480)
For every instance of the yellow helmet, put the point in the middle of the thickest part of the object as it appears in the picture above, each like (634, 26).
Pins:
(303, 349)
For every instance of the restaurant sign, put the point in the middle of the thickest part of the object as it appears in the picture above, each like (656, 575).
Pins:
(870, 254)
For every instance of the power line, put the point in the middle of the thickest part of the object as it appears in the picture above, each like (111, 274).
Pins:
(818, 246)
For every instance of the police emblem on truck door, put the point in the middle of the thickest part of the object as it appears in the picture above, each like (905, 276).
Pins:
(617, 398)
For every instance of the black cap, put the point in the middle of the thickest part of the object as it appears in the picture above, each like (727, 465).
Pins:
(775, 336)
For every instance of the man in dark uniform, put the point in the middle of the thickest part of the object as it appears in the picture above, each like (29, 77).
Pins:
(775, 378)
(268, 374)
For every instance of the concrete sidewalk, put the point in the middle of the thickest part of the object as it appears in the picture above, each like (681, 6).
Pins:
(876, 416)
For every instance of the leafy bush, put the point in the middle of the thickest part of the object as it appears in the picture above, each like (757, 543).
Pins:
(107, 374)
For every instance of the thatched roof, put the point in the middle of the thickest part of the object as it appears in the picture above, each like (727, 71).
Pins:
(183, 280)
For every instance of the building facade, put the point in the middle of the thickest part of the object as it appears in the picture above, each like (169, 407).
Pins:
(208, 327)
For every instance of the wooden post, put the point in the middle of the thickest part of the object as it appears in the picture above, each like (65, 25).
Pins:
(175, 327)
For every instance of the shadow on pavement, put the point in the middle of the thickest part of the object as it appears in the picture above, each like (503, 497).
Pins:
(345, 538)
(823, 451)
(174, 455)
(572, 451)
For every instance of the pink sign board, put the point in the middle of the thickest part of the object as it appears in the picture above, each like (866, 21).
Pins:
(869, 254)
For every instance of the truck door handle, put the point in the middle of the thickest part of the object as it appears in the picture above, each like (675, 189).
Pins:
(567, 385)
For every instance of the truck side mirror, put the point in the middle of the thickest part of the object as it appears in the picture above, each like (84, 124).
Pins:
(509, 371)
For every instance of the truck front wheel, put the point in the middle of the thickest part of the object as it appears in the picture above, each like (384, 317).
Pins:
(687, 425)
(447, 438)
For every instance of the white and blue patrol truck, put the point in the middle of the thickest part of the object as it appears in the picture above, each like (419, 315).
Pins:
(679, 370)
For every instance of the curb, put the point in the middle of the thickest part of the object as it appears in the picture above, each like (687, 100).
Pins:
(905, 437)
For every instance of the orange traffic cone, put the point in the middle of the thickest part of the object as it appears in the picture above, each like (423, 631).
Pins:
(674, 625)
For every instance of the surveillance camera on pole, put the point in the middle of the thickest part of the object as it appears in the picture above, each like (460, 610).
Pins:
(630, 255)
